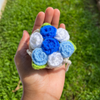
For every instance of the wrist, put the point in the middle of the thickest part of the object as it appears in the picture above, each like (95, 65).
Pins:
(38, 96)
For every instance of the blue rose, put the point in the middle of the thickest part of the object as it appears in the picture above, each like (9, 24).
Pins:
(50, 45)
(48, 31)
(66, 49)
(39, 57)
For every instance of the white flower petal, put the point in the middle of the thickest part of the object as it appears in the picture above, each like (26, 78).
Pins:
(55, 59)
(36, 40)
(62, 35)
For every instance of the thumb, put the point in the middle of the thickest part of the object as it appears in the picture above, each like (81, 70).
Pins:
(24, 43)
(22, 59)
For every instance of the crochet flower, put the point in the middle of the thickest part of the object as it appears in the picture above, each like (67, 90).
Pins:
(48, 31)
(62, 35)
(36, 40)
(39, 57)
(66, 49)
(55, 59)
(50, 45)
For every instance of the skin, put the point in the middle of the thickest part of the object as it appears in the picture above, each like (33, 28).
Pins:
(39, 84)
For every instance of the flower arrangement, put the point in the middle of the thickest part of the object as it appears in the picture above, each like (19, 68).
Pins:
(50, 47)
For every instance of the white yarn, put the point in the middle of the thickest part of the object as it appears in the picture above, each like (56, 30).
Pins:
(29, 52)
(55, 59)
(37, 30)
(66, 60)
(62, 35)
(36, 40)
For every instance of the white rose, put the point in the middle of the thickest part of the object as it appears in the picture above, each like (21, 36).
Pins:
(36, 40)
(55, 59)
(62, 35)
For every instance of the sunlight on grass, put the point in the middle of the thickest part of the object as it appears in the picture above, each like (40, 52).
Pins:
(82, 79)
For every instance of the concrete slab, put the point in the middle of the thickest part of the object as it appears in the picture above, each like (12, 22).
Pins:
(2, 5)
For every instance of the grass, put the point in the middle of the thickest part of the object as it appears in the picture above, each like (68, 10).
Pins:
(82, 21)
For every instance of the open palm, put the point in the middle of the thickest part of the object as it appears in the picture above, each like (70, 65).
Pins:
(46, 82)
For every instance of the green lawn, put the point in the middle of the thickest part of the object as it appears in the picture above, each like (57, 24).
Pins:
(82, 21)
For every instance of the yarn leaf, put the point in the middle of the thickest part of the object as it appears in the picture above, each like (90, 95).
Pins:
(73, 45)
(44, 25)
(37, 67)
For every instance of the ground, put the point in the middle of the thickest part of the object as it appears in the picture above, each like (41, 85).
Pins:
(83, 23)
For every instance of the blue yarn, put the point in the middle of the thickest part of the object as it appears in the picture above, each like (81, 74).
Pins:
(39, 57)
(48, 31)
(66, 49)
(50, 45)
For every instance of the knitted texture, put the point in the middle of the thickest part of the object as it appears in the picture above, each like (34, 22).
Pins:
(48, 31)
(45, 25)
(73, 45)
(50, 45)
(55, 59)
(66, 49)
(37, 67)
(62, 35)
(39, 57)
(36, 40)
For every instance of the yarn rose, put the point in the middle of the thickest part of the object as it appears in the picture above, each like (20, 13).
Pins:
(36, 40)
(62, 35)
(50, 45)
(55, 59)
(48, 31)
(39, 57)
(66, 49)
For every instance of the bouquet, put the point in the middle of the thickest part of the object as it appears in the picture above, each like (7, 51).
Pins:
(50, 47)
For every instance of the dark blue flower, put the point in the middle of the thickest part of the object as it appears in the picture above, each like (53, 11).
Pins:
(48, 31)
(66, 49)
(50, 45)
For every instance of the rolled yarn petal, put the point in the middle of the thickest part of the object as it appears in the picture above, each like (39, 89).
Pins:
(36, 40)
(39, 57)
(66, 49)
(48, 31)
(55, 59)
(62, 35)
(50, 45)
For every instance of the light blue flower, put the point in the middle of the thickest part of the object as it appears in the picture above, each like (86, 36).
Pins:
(39, 57)
(66, 49)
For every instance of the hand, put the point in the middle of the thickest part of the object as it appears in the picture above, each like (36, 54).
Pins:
(39, 84)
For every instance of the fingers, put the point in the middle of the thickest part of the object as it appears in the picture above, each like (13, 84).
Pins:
(39, 20)
(55, 19)
(62, 26)
(49, 15)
